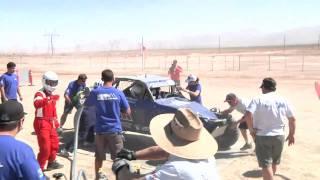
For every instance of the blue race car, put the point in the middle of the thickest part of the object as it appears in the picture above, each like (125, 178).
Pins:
(151, 95)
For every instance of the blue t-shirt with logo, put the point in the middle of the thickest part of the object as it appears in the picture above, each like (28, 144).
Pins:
(17, 160)
(10, 83)
(194, 88)
(73, 88)
(108, 102)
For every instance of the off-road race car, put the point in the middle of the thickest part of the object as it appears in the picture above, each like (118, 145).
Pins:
(151, 95)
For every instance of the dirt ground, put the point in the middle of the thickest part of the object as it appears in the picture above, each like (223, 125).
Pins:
(300, 161)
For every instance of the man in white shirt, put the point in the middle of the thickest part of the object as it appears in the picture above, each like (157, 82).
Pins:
(181, 140)
(269, 112)
(240, 105)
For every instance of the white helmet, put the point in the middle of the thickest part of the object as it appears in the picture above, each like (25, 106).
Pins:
(50, 81)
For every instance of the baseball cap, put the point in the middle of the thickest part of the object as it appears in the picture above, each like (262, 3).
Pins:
(269, 83)
(11, 111)
(82, 76)
(230, 96)
(191, 78)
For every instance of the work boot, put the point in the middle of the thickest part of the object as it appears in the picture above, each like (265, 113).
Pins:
(54, 165)
(246, 146)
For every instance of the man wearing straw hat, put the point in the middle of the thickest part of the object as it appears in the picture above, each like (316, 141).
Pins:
(181, 140)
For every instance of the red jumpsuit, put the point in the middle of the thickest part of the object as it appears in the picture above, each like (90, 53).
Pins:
(45, 124)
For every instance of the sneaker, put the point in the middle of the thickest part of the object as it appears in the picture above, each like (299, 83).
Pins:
(246, 146)
(101, 176)
(54, 165)
(64, 153)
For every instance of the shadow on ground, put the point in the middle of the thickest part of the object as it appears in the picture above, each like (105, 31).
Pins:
(230, 154)
(253, 174)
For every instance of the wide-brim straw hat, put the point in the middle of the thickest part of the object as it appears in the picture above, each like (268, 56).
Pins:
(182, 134)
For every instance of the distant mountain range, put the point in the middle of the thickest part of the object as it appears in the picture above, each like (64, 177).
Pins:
(245, 38)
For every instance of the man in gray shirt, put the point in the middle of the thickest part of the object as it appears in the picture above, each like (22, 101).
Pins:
(240, 105)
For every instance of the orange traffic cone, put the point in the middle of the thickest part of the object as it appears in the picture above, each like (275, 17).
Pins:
(30, 78)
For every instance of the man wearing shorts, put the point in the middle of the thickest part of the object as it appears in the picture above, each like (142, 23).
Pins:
(109, 102)
(240, 105)
(269, 112)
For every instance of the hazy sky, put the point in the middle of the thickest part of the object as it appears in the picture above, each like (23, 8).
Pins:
(23, 23)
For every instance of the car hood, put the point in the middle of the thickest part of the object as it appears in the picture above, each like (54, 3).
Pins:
(177, 102)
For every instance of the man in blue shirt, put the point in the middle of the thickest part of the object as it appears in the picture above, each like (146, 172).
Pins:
(17, 160)
(71, 98)
(109, 102)
(9, 85)
(193, 88)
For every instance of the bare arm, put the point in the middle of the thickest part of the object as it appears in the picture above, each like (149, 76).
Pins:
(292, 129)
(227, 111)
(249, 119)
(3, 95)
(152, 153)
(19, 93)
(66, 96)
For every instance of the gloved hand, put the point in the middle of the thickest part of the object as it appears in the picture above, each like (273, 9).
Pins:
(118, 164)
(126, 154)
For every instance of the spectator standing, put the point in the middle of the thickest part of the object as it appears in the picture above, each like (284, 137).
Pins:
(174, 71)
(9, 84)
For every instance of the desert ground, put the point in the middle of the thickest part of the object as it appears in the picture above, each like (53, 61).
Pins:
(295, 71)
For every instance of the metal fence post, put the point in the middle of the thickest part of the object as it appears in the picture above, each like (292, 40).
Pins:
(302, 66)
(187, 63)
(269, 67)
(239, 63)
(212, 62)
(225, 62)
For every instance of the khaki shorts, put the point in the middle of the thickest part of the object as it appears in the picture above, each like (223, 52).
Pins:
(105, 142)
(269, 149)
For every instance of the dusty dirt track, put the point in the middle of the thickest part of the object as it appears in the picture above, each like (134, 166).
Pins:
(300, 161)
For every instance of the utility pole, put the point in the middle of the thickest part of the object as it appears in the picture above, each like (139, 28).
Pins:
(142, 53)
(319, 42)
(284, 42)
(50, 41)
(219, 44)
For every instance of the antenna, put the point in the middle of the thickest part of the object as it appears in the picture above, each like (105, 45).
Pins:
(50, 41)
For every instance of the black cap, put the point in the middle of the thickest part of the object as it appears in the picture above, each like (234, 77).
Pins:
(230, 96)
(269, 83)
(11, 111)
(82, 76)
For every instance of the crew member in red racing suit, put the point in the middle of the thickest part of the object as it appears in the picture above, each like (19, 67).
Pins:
(45, 122)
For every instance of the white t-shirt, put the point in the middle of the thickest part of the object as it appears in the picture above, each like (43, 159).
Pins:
(269, 113)
(177, 168)
(241, 105)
